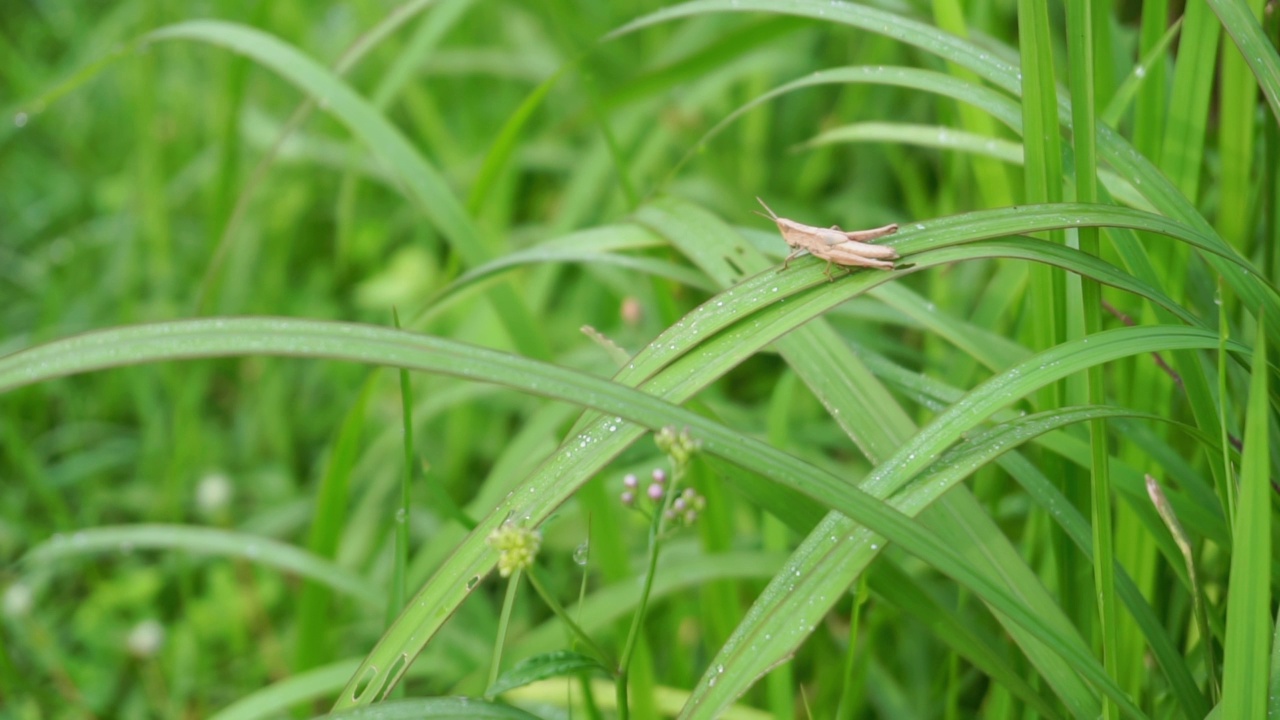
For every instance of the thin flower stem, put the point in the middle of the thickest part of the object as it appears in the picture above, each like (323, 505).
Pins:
(507, 604)
(656, 528)
(560, 612)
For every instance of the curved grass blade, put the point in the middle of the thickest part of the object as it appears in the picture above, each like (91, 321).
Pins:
(219, 337)
(946, 138)
(564, 471)
(997, 69)
(1197, 507)
(1257, 50)
(831, 381)
(452, 708)
(988, 65)
(206, 541)
(353, 55)
(275, 700)
(595, 245)
(421, 180)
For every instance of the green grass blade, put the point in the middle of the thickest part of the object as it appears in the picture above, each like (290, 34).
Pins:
(1080, 55)
(1149, 67)
(1245, 672)
(1185, 136)
(1240, 20)
(441, 708)
(1042, 147)
(504, 144)
(382, 346)
(828, 380)
(206, 541)
(327, 529)
(994, 181)
(422, 181)
(399, 589)
(1153, 97)
(1046, 495)
(1237, 123)
(901, 591)
(994, 68)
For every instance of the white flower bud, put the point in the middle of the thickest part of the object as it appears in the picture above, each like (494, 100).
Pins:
(213, 493)
(145, 639)
(18, 600)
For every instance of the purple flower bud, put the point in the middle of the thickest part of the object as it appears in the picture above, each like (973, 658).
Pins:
(631, 482)
(679, 505)
(659, 475)
(655, 492)
(628, 498)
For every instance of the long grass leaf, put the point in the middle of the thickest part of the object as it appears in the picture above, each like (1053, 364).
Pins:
(206, 541)
(328, 526)
(382, 346)
(422, 181)
(1240, 20)
(1245, 673)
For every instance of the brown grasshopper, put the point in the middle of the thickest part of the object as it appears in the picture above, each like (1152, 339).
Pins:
(850, 249)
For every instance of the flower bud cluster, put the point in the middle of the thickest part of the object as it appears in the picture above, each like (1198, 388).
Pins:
(517, 546)
(685, 506)
(679, 446)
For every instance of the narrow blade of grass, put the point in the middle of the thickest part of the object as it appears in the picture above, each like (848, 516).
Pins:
(1245, 672)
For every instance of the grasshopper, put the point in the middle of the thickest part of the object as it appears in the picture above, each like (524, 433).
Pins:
(850, 249)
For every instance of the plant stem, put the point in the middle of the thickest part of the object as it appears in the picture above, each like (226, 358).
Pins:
(507, 604)
(656, 527)
(560, 612)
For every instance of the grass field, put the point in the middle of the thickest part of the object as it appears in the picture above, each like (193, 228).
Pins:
(431, 359)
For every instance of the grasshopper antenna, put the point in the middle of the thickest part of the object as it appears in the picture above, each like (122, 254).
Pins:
(771, 214)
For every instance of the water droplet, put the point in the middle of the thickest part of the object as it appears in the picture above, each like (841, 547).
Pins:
(582, 553)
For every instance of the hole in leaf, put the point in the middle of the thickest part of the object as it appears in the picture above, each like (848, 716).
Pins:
(366, 682)
(397, 668)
